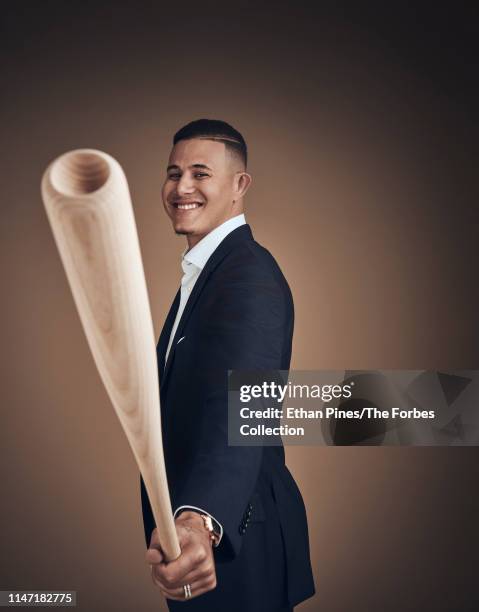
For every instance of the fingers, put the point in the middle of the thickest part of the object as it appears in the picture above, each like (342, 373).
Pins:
(193, 563)
(198, 587)
(168, 582)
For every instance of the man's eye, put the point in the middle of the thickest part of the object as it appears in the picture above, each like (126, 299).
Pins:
(173, 177)
(201, 174)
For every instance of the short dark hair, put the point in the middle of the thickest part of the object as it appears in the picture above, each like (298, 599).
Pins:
(214, 129)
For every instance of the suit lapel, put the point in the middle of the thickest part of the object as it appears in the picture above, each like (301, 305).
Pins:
(165, 336)
(239, 234)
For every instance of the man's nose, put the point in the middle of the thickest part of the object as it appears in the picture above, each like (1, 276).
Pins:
(185, 185)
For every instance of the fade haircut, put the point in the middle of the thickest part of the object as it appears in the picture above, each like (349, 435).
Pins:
(214, 129)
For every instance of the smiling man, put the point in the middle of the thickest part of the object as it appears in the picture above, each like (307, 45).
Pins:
(239, 515)
(200, 196)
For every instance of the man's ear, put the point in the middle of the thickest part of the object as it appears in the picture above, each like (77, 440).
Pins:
(241, 184)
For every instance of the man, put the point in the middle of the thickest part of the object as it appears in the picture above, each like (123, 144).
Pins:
(239, 515)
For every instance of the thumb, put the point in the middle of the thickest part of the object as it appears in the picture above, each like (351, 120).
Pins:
(154, 553)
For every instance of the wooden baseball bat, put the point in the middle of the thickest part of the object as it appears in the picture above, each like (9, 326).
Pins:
(88, 204)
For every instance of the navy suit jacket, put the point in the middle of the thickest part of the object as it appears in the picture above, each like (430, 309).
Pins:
(239, 316)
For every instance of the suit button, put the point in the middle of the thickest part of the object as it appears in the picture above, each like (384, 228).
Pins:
(242, 529)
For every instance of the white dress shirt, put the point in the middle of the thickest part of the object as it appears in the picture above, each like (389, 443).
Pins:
(193, 262)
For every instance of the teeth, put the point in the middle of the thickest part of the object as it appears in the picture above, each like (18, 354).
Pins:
(187, 206)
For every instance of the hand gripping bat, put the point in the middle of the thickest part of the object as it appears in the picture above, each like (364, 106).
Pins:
(88, 205)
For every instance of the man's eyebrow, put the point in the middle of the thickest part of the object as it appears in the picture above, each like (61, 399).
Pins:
(200, 166)
(175, 167)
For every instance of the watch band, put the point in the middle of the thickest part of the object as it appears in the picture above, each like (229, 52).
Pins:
(208, 522)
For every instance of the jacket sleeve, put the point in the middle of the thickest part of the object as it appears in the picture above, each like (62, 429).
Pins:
(245, 331)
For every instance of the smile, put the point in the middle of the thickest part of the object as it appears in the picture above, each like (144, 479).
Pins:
(187, 206)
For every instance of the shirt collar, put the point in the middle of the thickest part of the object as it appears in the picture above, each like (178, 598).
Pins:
(202, 251)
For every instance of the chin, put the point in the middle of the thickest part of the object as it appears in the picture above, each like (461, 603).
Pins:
(181, 229)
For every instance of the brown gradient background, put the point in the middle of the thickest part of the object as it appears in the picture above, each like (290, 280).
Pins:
(362, 129)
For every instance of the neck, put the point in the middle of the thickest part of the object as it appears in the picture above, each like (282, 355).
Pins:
(193, 240)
